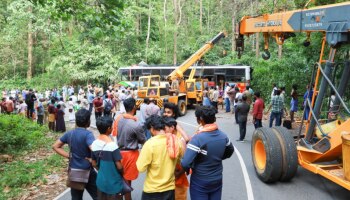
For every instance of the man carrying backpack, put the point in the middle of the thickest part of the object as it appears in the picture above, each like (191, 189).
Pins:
(108, 105)
(30, 99)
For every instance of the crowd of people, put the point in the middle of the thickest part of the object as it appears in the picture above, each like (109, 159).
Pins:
(50, 106)
(153, 143)
(168, 154)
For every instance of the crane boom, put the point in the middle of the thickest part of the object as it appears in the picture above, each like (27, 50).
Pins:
(312, 153)
(179, 71)
(333, 20)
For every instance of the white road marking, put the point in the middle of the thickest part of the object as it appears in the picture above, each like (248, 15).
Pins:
(187, 123)
(248, 184)
(62, 194)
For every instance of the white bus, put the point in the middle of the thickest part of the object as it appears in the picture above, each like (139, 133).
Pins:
(216, 74)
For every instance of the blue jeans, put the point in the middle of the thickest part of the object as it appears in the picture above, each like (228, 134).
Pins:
(227, 104)
(275, 116)
(203, 190)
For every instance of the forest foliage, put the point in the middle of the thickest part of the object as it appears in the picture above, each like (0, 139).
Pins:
(48, 43)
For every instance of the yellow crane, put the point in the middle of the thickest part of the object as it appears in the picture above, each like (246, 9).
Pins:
(276, 154)
(187, 91)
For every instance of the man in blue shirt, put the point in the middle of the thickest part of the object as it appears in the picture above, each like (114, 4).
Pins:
(204, 155)
(79, 141)
(91, 97)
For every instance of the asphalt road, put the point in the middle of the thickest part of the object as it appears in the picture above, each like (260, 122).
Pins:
(239, 185)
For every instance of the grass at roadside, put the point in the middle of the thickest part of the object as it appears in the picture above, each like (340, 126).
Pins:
(18, 134)
(29, 146)
(17, 175)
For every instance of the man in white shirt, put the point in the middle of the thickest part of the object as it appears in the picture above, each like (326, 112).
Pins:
(122, 97)
(274, 90)
(227, 98)
(74, 98)
(63, 105)
(215, 99)
(237, 99)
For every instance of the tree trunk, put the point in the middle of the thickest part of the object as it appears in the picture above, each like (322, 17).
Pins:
(280, 47)
(175, 33)
(253, 36)
(30, 47)
(208, 18)
(149, 28)
(165, 31)
(137, 22)
(257, 45)
(180, 14)
(234, 31)
(200, 15)
(234, 26)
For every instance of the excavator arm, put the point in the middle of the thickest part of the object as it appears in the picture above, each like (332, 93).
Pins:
(179, 71)
(333, 20)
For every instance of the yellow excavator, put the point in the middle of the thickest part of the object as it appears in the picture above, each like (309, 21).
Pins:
(181, 92)
(275, 153)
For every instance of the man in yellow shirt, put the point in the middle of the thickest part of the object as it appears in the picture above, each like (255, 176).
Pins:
(154, 157)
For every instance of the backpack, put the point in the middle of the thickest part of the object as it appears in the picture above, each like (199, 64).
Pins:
(28, 99)
(108, 106)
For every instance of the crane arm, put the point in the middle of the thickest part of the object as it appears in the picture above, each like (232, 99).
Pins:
(179, 71)
(333, 20)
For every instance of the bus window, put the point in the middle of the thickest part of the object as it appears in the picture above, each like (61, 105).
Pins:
(155, 82)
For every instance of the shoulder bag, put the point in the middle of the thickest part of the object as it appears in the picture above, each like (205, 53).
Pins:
(126, 187)
(229, 149)
(77, 178)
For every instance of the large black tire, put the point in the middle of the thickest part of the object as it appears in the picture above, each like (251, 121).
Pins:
(266, 155)
(182, 107)
(289, 153)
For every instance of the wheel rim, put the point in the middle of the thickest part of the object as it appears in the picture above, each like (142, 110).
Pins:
(183, 108)
(260, 154)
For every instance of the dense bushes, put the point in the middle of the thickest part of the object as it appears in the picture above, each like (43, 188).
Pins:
(18, 133)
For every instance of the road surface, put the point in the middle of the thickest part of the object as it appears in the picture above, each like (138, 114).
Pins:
(240, 180)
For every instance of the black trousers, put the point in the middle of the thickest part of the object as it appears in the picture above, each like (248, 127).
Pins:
(40, 119)
(30, 112)
(215, 105)
(98, 115)
(91, 105)
(167, 195)
(90, 187)
(105, 113)
(236, 114)
(257, 123)
(242, 129)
